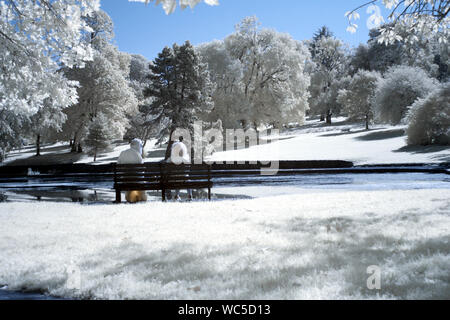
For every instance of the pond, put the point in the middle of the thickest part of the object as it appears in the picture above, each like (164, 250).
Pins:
(101, 192)
(14, 295)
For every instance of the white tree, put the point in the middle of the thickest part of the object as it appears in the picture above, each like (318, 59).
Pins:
(140, 122)
(11, 125)
(357, 98)
(398, 89)
(139, 69)
(37, 39)
(169, 6)
(325, 102)
(408, 19)
(104, 86)
(429, 118)
(50, 117)
(329, 67)
(274, 82)
(226, 73)
(99, 135)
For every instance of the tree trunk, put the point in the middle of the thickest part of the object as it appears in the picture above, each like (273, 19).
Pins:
(169, 146)
(79, 148)
(38, 145)
(367, 122)
(168, 150)
(95, 154)
(74, 144)
(322, 118)
(329, 115)
(143, 148)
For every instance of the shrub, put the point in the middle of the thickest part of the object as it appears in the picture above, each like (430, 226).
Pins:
(400, 87)
(429, 119)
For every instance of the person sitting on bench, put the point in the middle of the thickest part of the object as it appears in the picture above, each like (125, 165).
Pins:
(179, 155)
(133, 155)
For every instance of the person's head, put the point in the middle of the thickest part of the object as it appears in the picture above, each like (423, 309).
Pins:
(180, 138)
(136, 145)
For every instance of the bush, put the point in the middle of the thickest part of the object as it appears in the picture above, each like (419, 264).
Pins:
(400, 87)
(429, 119)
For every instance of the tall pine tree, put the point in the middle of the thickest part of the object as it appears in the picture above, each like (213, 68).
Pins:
(181, 90)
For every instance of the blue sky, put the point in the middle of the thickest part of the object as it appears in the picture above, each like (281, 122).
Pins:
(147, 29)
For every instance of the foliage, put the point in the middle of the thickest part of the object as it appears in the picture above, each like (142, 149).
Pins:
(409, 19)
(398, 89)
(429, 118)
(104, 86)
(180, 88)
(37, 39)
(329, 67)
(99, 135)
(169, 6)
(267, 83)
(357, 98)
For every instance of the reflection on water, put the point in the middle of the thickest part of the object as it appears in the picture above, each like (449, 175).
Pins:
(13, 295)
(94, 196)
(43, 194)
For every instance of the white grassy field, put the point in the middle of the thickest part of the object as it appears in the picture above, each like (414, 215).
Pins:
(302, 246)
(313, 141)
(341, 141)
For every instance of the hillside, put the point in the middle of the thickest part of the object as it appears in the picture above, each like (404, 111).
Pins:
(313, 141)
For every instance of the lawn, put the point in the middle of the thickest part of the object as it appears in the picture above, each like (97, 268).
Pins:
(302, 246)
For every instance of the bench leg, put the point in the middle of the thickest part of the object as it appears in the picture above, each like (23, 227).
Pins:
(118, 196)
(163, 191)
(209, 194)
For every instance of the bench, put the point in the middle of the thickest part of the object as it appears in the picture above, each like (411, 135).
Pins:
(161, 176)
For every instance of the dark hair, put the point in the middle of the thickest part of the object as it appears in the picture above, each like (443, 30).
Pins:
(181, 138)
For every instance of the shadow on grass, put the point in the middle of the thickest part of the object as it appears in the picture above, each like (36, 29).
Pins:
(32, 149)
(320, 124)
(423, 149)
(428, 149)
(382, 135)
(344, 133)
(49, 159)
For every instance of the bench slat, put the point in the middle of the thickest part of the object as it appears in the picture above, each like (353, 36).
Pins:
(161, 177)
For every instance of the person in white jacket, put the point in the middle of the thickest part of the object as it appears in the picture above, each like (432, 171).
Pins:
(133, 156)
(179, 155)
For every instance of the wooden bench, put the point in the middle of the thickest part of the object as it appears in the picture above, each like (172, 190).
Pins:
(161, 176)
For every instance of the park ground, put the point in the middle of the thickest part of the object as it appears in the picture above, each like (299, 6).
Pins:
(315, 140)
(302, 244)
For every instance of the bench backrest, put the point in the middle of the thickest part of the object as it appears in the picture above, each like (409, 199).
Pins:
(157, 173)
